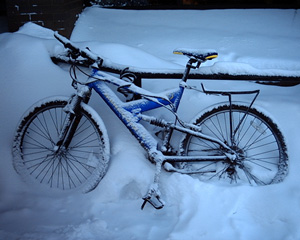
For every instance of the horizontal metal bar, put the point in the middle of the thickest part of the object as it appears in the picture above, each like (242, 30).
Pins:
(177, 74)
(194, 158)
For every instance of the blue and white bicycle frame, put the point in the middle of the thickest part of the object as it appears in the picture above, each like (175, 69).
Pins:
(131, 114)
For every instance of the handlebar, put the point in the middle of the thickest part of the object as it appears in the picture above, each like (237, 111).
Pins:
(76, 51)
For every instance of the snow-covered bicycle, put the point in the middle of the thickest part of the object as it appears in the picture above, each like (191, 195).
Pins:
(63, 143)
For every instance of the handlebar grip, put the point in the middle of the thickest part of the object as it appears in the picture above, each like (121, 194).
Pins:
(65, 42)
(85, 53)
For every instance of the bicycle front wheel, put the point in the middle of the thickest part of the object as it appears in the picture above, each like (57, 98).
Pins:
(80, 166)
(255, 139)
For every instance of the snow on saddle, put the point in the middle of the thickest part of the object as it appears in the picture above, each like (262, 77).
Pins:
(199, 54)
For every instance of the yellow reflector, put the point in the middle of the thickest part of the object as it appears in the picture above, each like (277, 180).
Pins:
(178, 53)
(211, 57)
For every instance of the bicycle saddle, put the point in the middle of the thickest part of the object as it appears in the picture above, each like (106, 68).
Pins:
(200, 54)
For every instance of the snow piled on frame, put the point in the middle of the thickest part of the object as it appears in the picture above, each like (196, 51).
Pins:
(266, 40)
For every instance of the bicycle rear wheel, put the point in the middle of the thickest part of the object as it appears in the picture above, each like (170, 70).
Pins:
(258, 144)
(80, 166)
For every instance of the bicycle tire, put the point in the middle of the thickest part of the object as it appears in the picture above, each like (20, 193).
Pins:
(259, 145)
(80, 167)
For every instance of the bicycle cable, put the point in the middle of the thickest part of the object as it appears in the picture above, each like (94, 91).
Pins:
(73, 69)
(73, 75)
(181, 122)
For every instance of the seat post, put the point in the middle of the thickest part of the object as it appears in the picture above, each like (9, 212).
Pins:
(188, 67)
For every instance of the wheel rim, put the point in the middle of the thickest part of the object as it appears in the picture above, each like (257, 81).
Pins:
(252, 140)
(62, 169)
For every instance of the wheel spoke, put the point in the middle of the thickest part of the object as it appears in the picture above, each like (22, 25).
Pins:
(257, 143)
(60, 167)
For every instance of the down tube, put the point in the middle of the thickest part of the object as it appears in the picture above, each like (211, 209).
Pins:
(128, 118)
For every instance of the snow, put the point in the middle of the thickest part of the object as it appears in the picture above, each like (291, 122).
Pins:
(247, 41)
(241, 37)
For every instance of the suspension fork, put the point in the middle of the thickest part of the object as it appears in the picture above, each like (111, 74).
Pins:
(73, 109)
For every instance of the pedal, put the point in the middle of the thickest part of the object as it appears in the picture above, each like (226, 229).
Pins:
(155, 201)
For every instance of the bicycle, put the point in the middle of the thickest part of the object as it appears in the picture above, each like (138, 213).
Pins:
(63, 143)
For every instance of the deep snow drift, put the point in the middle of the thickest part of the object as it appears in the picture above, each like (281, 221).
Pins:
(247, 40)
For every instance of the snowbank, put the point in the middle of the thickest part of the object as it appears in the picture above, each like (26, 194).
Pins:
(241, 37)
(263, 39)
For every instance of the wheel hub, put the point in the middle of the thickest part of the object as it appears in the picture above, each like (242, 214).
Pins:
(235, 160)
(239, 153)
(59, 152)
